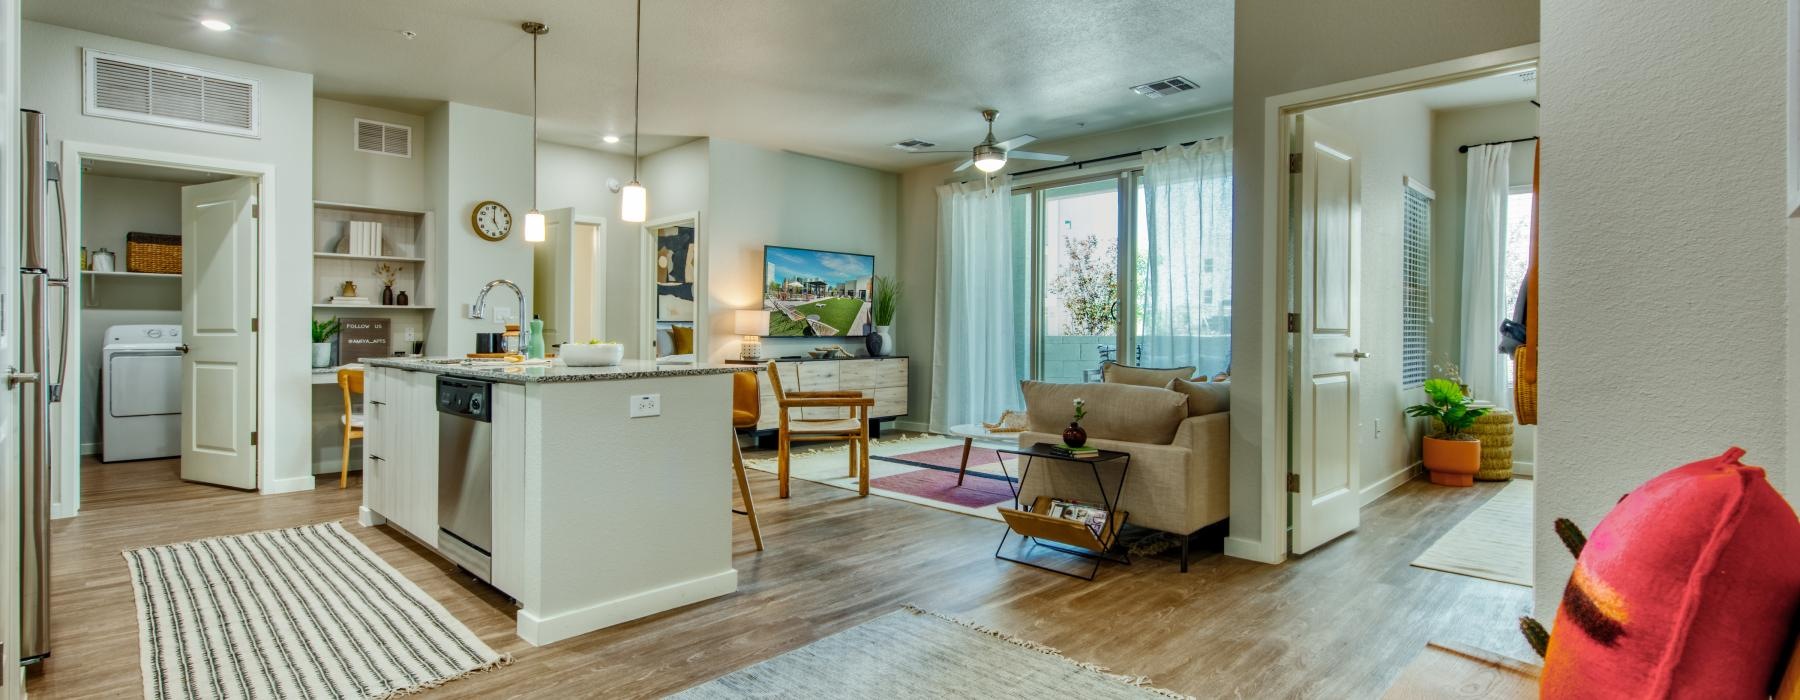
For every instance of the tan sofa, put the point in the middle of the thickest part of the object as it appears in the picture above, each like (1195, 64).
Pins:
(1180, 450)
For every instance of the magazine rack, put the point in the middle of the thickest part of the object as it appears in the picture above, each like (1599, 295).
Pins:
(1040, 529)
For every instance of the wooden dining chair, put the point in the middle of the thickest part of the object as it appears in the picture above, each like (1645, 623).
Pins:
(746, 410)
(854, 429)
(350, 380)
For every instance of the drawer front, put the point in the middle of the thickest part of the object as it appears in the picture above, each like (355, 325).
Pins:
(769, 417)
(788, 372)
(818, 376)
(889, 401)
(872, 374)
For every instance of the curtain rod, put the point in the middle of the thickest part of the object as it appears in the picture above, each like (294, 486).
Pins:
(1465, 149)
(1102, 159)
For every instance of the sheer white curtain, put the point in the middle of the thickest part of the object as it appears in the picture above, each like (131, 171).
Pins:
(1484, 252)
(975, 372)
(1185, 299)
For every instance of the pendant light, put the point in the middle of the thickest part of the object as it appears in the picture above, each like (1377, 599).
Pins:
(534, 219)
(634, 200)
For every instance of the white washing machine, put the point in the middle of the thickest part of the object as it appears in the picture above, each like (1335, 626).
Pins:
(140, 393)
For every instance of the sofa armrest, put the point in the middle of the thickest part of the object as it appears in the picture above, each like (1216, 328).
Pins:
(1208, 441)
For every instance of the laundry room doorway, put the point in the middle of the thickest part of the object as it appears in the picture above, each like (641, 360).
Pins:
(162, 376)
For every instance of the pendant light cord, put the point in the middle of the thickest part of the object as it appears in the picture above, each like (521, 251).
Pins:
(637, 89)
(534, 119)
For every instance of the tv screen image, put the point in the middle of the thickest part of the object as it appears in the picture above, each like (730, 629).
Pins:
(816, 292)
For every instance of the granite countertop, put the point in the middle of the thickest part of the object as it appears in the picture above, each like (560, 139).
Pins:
(553, 372)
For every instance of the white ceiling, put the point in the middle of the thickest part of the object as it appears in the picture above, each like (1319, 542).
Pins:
(840, 79)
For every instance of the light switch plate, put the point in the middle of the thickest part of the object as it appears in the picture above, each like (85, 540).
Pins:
(646, 405)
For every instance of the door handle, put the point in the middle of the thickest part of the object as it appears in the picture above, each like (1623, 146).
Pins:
(13, 379)
(1357, 355)
(183, 348)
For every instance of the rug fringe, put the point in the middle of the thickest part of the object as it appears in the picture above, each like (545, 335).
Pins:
(1142, 682)
(338, 522)
(503, 661)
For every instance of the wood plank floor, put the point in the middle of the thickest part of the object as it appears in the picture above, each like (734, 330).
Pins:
(1337, 623)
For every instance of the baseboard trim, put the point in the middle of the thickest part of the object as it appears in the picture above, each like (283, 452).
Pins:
(1381, 487)
(368, 518)
(1525, 468)
(911, 426)
(90, 448)
(288, 485)
(540, 630)
(1253, 550)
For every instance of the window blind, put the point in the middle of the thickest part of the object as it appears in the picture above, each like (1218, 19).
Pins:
(1415, 266)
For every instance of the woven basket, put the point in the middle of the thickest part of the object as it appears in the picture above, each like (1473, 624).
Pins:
(153, 252)
(1495, 430)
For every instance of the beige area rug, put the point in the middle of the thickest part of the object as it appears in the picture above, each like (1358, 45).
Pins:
(1493, 543)
(911, 653)
(831, 466)
(307, 612)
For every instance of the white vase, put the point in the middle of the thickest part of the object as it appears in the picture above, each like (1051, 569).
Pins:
(321, 355)
(886, 334)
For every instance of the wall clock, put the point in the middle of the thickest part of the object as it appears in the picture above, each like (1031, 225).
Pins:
(491, 220)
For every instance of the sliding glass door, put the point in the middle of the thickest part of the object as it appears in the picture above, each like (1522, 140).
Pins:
(1078, 256)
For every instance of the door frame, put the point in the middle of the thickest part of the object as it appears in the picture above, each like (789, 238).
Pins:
(647, 275)
(599, 265)
(66, 501)
(1278, 378)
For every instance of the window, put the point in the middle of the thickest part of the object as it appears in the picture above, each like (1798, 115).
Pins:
(1518, 256)
(1415, 293)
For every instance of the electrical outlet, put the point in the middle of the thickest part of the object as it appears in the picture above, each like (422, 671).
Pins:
(646, 405)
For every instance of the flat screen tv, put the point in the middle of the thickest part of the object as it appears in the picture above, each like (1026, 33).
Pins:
(816, 292)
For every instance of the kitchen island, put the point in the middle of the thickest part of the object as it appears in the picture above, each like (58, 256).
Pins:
(591, 495)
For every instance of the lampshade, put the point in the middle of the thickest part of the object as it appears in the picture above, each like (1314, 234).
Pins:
(534, 226)
(752, 322)
(990, 162)
(634, 202)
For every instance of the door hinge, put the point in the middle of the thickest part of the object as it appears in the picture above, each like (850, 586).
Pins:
(256, 210)
(1293, 323)
(1293, 483)
(255, 324)
(1293, 162)
(252, 438)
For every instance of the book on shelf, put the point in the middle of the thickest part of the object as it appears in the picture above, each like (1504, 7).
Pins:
(1068, 451)
(365, 238)
(1094, 516)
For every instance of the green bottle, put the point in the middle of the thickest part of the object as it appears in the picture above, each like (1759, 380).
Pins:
(534, 348)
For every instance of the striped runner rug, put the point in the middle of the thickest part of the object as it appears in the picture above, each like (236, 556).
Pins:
(306, 612)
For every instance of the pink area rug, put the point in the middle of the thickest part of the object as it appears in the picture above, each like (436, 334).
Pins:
(947, 457)
(976, 491)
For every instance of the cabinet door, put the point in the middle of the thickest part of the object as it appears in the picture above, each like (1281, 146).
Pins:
(374, 474)
(820, 376)
(422, 451)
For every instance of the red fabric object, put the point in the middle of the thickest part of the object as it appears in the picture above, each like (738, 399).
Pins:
(1687, 589)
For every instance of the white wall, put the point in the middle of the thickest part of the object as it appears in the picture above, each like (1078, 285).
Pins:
(1393, 136)
(53, 85)
(110, 208)
(475, 154)
(1282, 46)
(1663, 273)
(915, 327)
(576, 177)
(343, 174)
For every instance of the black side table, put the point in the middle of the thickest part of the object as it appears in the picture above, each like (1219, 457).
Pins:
(1038, 528)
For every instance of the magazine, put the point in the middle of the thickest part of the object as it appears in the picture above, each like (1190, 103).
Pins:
(1093, 515)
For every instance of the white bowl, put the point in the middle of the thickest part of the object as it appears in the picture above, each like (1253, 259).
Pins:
(591, 354)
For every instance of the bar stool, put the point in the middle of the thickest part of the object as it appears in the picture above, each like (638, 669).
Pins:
(746, 409)
(351, 381)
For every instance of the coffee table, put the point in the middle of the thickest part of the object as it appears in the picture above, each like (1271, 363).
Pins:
(970, 432)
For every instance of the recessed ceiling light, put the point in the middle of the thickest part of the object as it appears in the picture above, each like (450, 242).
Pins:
(610, 138)
(217, 25)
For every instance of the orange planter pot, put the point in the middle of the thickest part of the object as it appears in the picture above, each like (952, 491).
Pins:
(1452, 462)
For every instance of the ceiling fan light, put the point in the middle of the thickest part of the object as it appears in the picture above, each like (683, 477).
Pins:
(634, 202)
(990, 162)
(534, 226)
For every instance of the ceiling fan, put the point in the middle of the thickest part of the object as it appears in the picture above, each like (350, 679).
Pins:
(991, 155)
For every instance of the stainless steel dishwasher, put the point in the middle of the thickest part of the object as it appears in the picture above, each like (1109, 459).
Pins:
(465, 473)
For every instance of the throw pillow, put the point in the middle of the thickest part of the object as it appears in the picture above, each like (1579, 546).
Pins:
(1115, 373)
(1203, 397)
(683, 337)
(1688, 588)
(1122, 412)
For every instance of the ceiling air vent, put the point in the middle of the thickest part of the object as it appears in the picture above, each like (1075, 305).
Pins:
(913, 145)
(1166, 86)
(383, 138)
(153, 92)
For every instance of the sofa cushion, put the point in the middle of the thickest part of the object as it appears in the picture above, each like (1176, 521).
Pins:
(1203, 397)
(1688, 588)
(1115, 373)
(1123, 412)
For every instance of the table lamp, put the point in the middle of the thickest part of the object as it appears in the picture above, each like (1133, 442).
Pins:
(753, 324)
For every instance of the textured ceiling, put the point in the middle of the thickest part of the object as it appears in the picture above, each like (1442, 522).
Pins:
(839, 79)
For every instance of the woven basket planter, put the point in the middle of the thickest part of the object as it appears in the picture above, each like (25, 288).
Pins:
(1495, 430)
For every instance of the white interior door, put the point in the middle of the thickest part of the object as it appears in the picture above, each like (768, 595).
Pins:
(551, 268)
(1325, 497)
(218, 305)
(587, 261)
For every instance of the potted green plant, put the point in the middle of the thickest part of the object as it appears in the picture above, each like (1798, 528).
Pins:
(322, 333)
(1452, 456)
(884, 302)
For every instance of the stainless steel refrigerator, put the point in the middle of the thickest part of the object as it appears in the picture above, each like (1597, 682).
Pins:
(42, 269)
